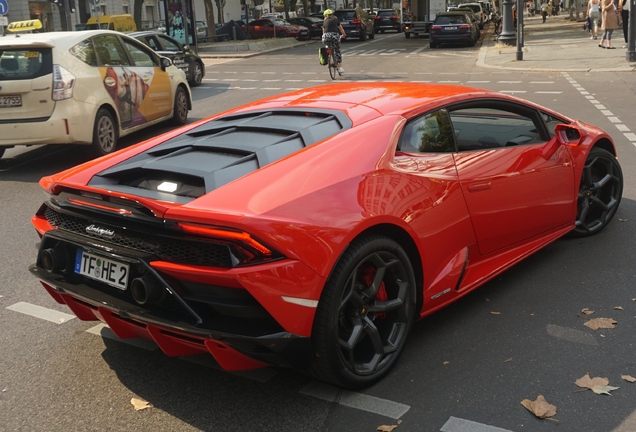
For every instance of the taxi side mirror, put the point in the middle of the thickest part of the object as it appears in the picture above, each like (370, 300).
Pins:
(165, 63)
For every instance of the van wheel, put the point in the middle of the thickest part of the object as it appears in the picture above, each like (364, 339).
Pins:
(180, 114)
(104, 133)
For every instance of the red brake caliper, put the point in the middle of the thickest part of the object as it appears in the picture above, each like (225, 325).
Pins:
(367, 277)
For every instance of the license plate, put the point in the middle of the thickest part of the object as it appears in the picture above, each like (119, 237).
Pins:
(450, 28)
(102, 269)
(344, 22)
(10, 101)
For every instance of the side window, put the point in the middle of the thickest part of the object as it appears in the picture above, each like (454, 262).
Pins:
(169, 44)
(109, 51)
(85, 52)
(141, 57)
(551, 122)
(430, 133)
(480, 128)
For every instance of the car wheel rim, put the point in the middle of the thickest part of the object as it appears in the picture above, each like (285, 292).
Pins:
(182, 106)
(373, 314)
(198, 73)
(599, 194)
(106, 134)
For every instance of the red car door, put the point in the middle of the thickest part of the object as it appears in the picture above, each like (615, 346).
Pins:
(518, 182)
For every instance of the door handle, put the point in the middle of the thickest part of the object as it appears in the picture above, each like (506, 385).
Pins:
(481, 186)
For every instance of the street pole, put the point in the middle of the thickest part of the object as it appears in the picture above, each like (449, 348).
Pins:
(507, 35)
(631, 33)
(67, 12)
(520, 29)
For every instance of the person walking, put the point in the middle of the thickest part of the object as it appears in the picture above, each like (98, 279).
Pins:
(331, 32)
(625, 17)
(610, 23)
(544, 10)
(594, 14)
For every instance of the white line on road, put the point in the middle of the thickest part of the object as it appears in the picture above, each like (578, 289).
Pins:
(454, 424)
(512, 91)
(41, 312)
(548, 92)
(630, 136)
(359, 401)
(508, 82)
(541, 82)
(622, 128)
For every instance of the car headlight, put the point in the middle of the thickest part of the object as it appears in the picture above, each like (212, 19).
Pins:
(63, 83)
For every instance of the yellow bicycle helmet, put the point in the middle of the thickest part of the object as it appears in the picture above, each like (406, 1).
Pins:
(327, 12)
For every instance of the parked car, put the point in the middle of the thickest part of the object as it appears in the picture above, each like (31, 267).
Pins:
(476, 7)
(356, 23)
(313, 24)
(270, 28)
(182, 56)
(452, 27)
(313, 228)
(474, 18)
(387, 19)
(105, 85)
(202, 28)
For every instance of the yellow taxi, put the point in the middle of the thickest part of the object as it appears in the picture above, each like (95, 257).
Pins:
(90, 87)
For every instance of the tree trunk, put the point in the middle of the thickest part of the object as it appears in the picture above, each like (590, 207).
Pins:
(286, 6)
(137, 13)
(305, 7)
(219, 8)
(209, 16)
(62, 17)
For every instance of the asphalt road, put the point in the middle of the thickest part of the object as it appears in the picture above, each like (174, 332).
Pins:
(464, 369)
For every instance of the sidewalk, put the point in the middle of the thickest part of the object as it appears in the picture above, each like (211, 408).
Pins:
(559, 45)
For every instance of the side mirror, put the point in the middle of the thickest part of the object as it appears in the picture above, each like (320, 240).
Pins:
(186, 48)
(569, 134)
(165, 63)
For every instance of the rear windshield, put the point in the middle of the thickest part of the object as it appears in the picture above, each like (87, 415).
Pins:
(25, 63)
(475, 8)
(345, 15)
(443, 20)
(102, 26)
(386, 13)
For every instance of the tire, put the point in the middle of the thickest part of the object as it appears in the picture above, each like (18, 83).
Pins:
(180, 111)
(197, 74)
(472, 42)
(333, 66)
(104, 133)
(407, 35)
(365, 313)
(600, 192)
(432, 45)
(282, 34)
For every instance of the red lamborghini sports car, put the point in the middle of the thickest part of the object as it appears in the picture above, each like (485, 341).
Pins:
(311, 229)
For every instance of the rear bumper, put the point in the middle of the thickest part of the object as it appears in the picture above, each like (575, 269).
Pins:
(68, 124)
(449, 38)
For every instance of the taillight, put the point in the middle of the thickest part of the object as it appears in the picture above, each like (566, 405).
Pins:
(377, 18)
(394, 17)
(356, 21)
(245, 248)
(436, 27)
(63, 83)
(464, 26)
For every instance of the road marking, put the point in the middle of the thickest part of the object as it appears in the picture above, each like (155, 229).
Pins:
(508, 82)
(607, 112)
(630, 136)
(359, 401)
(512, 91)
(250, 80)
(272, 80)
(104, 331)
(449, 82)
(599, 106)
(270, 88)
(477, 82)
(230, 79)
(541, 82)
(571, 335)
(613, 119)
(548, 92)
(454, 424)
(41, 312)
(622, 128)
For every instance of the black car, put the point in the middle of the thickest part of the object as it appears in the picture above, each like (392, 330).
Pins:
(182, 56)
(356, 23)
(387, 19)
(452, 27)
(313, 24)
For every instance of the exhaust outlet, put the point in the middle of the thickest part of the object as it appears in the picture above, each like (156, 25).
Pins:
(53, 259)
(145, 289)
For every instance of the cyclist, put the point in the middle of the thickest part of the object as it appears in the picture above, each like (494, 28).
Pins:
(331, 33)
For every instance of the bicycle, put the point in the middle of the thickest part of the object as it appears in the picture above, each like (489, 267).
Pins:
(332, 64)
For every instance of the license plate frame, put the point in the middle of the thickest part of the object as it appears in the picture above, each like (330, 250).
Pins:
(450, 28)
(10, 101)
(105, 270)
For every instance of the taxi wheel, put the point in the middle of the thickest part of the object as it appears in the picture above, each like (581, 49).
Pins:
(197, 75)
(104, 133)
(180, 115)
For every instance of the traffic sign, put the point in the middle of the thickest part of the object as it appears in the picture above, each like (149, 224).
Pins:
(4, 7)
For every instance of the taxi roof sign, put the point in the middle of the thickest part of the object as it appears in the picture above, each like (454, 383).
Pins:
(17, 26)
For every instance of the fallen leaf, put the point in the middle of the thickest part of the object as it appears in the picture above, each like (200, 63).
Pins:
(140, 404)
(446, 362)
(622, 220)
(539, 407)
(487, 299)
(386, 428)
(634, 299)
(618, 307)
(586, 311)
(628, 378)
(495, 313)
(597, 323)
(603, 390)
(507, 360)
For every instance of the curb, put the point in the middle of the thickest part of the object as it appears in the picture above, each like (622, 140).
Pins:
(250, 49)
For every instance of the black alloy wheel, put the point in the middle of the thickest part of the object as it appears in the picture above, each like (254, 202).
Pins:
(365, 313)
(197, 74)
(600, 192)
(282, 34)
(180, 112)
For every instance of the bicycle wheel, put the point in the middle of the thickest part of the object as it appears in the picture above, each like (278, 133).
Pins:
(333, 66)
